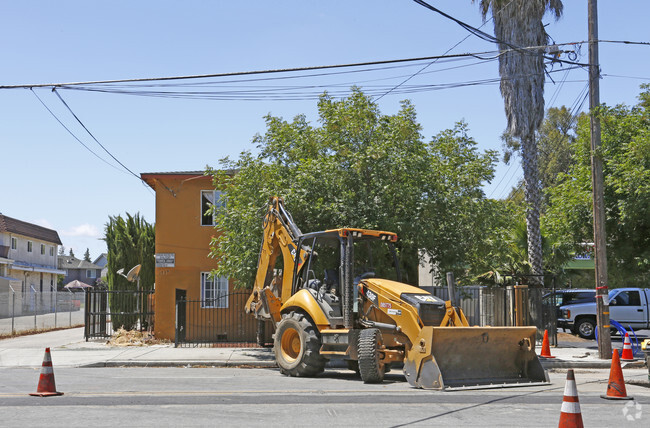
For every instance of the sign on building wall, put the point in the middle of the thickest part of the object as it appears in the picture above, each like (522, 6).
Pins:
(165, 260)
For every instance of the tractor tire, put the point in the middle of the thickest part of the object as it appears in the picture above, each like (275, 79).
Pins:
(371, 368)
(586, 328)
(296, 346)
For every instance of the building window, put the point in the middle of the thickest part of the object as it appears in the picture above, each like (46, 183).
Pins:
(208, 199)
(90, 273)
(51, 251)
(29, 246)
(43, 249)
(14, 243)
(214, 291)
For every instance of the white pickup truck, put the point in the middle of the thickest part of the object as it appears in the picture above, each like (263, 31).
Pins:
(628, 306)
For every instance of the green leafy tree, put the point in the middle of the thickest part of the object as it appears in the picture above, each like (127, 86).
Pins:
(519, 23)
(130, 242)
(71, 253)
(625, 152)
(87, 255)
(358, 168)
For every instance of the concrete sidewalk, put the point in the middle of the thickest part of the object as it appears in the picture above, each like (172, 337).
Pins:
(68, 349)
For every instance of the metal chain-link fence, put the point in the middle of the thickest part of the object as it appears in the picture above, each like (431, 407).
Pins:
(31, 309)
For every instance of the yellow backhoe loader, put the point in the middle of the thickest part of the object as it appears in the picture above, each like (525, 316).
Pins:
(337, 294)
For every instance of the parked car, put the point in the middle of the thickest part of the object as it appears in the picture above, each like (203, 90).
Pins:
(628, 306)
(569, 297)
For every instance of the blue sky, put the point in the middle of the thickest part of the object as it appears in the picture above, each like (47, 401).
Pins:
(51, 179)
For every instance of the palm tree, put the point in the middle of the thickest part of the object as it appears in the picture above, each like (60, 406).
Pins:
(519, 23)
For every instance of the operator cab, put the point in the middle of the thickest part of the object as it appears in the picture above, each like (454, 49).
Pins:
(344, 256)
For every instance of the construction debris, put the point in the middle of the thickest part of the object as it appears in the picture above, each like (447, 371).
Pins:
(124, 337)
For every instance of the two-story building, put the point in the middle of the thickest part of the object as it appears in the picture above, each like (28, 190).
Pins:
(28, 265)
(184, 230)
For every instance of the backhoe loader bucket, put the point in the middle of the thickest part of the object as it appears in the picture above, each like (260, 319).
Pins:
(474, 357)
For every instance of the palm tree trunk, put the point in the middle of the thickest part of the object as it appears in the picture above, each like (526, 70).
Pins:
(533, 201)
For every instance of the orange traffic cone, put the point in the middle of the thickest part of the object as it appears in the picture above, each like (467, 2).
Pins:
(46, 386)
(616, 385)
(627, 354)
(546, 349)
(570, 417)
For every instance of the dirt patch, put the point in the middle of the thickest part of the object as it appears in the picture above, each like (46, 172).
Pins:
(135, 338)
(36, 331)
(568, 337)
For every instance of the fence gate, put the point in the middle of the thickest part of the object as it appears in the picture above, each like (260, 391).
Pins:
(108, 310)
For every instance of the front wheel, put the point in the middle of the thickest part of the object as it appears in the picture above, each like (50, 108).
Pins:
(586, 328)
(371, 368)
(296, 346)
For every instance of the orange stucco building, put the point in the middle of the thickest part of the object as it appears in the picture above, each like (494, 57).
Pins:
(183, 234)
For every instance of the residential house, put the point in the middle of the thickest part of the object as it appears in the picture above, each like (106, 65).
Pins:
(81, 270)
(102, 261)
(183, 233)
(28, 266)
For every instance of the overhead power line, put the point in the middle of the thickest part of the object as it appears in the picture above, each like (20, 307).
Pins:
(241, 73)
(93, 137)
(73, 135)
(489, 38)
(67, 85)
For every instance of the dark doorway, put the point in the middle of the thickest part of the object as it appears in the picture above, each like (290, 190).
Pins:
(181, 303)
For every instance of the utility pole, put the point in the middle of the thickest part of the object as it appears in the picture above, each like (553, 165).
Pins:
(600, 250)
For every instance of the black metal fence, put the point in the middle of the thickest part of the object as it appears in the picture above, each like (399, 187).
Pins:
(108, 310)
(505, 306)
(216, 322)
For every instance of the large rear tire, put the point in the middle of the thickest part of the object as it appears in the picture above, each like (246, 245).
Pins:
(371, 368)
(296, 346)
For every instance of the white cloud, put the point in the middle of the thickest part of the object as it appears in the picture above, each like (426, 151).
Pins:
(87, 230)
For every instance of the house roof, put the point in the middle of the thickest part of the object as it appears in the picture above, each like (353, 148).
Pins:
(102, 255)
(19, 227)
(150, 177)
(71, 262)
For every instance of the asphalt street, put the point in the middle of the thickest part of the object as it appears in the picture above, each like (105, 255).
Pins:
(263, 397)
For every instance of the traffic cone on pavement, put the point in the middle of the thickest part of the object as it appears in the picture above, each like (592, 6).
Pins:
(46, 386)
(570, 416)
(627, 354)
(616, 385)
(546, 349)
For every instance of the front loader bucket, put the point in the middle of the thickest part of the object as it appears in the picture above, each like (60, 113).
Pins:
(474, 357)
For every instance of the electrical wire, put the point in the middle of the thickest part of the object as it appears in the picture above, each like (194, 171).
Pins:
(575, 109)
(421, 71)
(625, 77)
(489, 38)
(73, 135)
(239, 73)
(295, 92)
(92, 136)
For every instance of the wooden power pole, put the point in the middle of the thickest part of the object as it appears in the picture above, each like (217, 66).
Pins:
(600, 250)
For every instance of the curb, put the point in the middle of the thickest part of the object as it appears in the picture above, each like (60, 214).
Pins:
(257, 364)
(188, 363)
(546, 364)
(600, 364)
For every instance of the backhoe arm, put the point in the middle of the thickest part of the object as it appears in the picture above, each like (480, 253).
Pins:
(280, 236)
